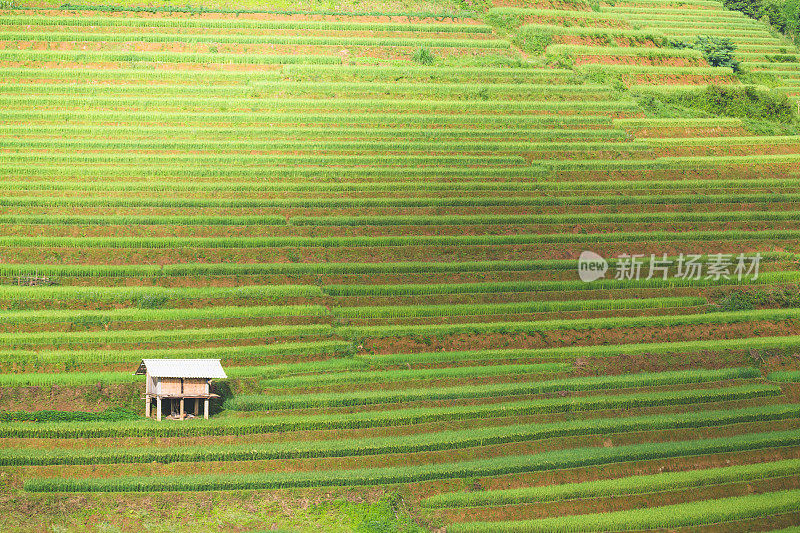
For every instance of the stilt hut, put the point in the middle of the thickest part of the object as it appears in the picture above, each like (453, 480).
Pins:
(176, 381)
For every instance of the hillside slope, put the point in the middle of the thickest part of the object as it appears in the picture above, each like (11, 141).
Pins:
(375, 219)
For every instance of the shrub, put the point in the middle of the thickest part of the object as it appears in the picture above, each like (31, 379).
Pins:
(717, 51)
(423, 56)
(475, 5)
(151, 301)
(747, 102)
(533, 39)
(737, 301)
(784, 15)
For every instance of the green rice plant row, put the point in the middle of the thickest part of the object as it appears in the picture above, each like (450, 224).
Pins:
(582, 218)
(593, 31)
(681, 27)
(77, 358)
(272, 372)
(241, 269)
(670, 516)
(97, 56)
(622, 51)
(672, 10)
(653, 122)
(403, 160)
(766, 278)
(221, 147)
(753, 140)
(431, 119)
(313, 132)
(88, 317)
(392, 241)
(298, 72)
(295, 40)
(658, 321)
(372, 397)
(711, 19)
(674, 163)
(546, 461)
(238, 11)
(144, 296)
(144, 220)
(768, 65)
(643, 484)
(228, 425)
(523, 73)
(359, 182)
(15, 340)
(385, 376)
(256, 90)
(656, 70)
(237, 23)
(415, 311)
(278, 175)
(512, 18)
(777, 343)
(239, 78)
(638, 187)
(444, 440)
(673, 4)
(463, 100)
(786, 376)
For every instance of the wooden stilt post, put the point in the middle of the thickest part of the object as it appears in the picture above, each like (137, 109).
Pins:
(158, 408)
(182, 411)
(147, 407)
(205, 409)
(196, 406)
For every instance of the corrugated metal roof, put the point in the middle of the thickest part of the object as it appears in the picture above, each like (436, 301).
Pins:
(182, 368)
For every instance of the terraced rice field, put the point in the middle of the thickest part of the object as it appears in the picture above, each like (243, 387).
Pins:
(384, 255)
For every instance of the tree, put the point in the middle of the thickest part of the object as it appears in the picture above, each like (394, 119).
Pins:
(717, 51)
